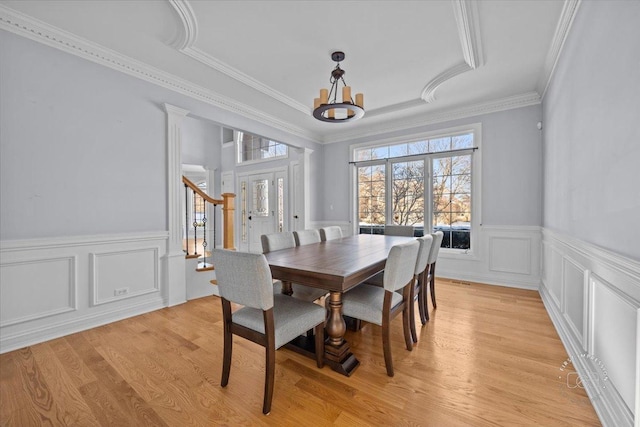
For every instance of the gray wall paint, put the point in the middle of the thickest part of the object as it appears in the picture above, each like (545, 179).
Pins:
(591, 135)
(83, 147)
(511, 167)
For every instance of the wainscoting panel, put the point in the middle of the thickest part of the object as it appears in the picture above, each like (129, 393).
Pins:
(36, 288)
(54, 287)
(614, 318)
(597, 317)
(573, 276)
(123, 274)
(510, 254)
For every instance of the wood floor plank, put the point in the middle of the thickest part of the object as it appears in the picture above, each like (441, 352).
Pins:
(488, 356)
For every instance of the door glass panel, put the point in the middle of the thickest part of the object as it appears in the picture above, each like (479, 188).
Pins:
(243, 204)
(261, 197)
(280, 190)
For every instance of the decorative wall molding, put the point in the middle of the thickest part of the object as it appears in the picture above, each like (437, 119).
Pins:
(129, 264)
(569, 11)
(66, 275)
(67, 241)
(608, 330)
(424, 119)
(502, 247)
(71, 303)
(49, 35)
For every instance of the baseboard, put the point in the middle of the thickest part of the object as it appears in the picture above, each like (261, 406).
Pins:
(78, 324)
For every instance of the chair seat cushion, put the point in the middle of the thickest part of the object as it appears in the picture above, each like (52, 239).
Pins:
(364, 302)
(305, 293)
(291, 317)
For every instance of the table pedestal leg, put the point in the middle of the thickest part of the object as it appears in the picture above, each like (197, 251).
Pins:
(337, 352)
(287, 289)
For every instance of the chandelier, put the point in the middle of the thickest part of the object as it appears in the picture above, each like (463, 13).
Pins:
(327, 108)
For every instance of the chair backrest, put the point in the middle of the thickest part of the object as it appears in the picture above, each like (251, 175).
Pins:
(426, 242)
(330, 233)
(277, 241)
(398, 230)
(401, 263)
(244, 278)
(435, 247)
(305, 237)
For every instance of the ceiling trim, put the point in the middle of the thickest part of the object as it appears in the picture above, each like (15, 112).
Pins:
(569, 11)
(189, 35)
(508, 103)
(466, 14)
(26, 26)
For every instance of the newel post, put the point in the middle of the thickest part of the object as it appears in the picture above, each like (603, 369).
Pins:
(228, 214)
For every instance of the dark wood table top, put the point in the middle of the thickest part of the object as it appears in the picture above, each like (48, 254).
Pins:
(335, 265)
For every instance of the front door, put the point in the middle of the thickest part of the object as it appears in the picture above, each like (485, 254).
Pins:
(261, 215)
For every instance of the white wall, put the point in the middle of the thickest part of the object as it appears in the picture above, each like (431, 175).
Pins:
(591, 140)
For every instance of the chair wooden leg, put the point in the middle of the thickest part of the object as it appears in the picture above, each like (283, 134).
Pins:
(269, 378)
(386, 347)
(412, 312)
(228, 344)
(319, 336)
(432, 285)
(424, 313)
(406, 326)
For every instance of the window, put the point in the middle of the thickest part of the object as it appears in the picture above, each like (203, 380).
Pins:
(427, 183)
(253, 148)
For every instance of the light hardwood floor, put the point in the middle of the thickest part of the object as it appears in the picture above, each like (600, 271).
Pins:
(488, 356)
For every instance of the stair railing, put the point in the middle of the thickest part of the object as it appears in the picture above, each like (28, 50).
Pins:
(200, 200)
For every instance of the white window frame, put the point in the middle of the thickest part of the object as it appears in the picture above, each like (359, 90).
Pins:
(473, 253)
(238, 150)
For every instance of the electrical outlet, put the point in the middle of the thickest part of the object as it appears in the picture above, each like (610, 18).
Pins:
(121, 291)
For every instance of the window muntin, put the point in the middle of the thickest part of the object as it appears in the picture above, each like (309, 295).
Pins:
(447, 181)
(253, 148)
(371, 197)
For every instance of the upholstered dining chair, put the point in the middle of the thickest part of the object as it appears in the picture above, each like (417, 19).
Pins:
(433, 257)
(284, 240)
(419, 284)
(266, 319)
(330, 233)
(381, 305)
(306, 237)
(398, 230)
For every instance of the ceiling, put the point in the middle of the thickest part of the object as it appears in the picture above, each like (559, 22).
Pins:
(415, 61)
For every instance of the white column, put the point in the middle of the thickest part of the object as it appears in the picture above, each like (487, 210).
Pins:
(175, 287)
(306, 196)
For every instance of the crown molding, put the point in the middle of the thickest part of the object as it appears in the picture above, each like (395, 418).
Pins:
(569, 11)
(429, 92)
(467, 21)
(508, 103)
(468, 25)
(26, 26)
(187, 37)
(186, 45)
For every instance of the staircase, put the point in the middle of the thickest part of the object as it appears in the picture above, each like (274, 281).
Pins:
(202, 211)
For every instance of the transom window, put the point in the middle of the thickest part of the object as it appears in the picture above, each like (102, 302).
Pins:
(425, 183)
(254, 148)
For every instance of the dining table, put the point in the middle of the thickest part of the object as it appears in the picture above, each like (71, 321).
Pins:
(336, 266)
